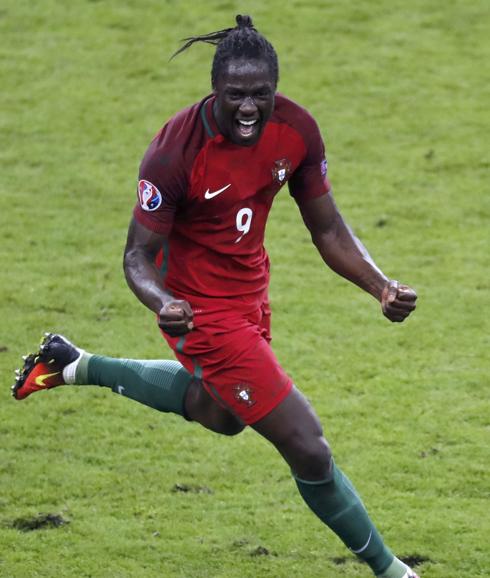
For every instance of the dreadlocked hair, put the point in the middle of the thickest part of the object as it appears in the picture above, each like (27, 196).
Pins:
(242, 41)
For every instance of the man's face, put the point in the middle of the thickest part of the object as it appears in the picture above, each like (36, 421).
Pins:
(244, 100)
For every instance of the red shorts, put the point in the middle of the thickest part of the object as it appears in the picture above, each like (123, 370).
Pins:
(230, 352)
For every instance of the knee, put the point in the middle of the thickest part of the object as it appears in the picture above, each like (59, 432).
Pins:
(314, 460)
(295, 430)
(310, 457)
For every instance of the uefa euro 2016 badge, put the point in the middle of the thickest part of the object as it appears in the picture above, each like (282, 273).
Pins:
(281, 170)
(149, 196)
(243, 394)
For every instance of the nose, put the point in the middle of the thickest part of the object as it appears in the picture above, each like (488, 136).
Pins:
(248, 105)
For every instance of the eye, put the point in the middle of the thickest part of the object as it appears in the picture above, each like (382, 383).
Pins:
(234, 96)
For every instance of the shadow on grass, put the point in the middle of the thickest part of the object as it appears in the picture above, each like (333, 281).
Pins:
(411, 560)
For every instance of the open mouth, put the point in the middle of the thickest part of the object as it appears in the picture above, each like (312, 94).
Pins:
(247, 128)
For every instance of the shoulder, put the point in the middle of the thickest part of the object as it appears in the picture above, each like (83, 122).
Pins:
(176, 134)
(182, 121)
(293, 114)
(310, 178)
(172, 151)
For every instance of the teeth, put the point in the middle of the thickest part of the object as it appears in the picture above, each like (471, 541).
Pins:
(247, 122)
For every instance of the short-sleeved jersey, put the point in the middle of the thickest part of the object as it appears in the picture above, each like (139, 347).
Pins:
(211, 197)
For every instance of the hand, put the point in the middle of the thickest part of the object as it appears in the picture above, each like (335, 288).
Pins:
(397, 301)
(175, 318)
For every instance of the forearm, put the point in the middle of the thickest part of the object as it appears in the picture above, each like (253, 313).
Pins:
(344, 253)
(144, 279)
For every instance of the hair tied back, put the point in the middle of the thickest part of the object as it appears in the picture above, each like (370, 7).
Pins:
(244, 21)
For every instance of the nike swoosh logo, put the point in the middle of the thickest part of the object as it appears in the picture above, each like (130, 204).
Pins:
(40, 378)
(208, 195)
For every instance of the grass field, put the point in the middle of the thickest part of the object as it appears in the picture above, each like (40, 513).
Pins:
(400, 93)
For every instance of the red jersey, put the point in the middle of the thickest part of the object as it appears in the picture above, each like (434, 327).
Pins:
(212, 197)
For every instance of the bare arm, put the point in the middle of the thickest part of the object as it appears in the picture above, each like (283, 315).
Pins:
(144, 279)
(342, 251)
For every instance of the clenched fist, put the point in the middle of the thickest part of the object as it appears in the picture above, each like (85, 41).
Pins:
(175, 318)
(397, 301)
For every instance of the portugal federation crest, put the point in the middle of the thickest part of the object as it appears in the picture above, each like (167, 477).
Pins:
(281, 170)
(243, 394)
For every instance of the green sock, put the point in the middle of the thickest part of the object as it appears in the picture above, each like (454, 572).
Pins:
(337, 504)
(160, 384)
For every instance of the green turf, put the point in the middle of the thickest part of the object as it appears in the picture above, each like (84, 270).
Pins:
(400, 93)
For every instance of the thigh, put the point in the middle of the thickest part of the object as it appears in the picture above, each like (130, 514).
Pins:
(246, 377)
(202, 408)
(234, 360)
(295, 430)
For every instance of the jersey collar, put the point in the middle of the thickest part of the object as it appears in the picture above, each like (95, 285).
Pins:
(207, 117)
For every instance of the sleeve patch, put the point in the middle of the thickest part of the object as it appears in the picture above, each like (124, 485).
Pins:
(150, 198)
(324, 167)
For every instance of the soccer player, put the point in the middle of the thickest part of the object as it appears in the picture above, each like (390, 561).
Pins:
(195, 257)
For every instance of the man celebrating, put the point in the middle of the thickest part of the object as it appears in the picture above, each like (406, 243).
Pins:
(195, 256)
